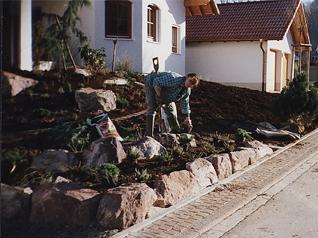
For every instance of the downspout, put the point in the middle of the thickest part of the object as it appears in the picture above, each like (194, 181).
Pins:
(264, 66)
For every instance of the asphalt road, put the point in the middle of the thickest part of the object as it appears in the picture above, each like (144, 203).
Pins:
(293, 212)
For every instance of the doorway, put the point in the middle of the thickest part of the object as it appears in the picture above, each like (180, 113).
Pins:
(11, 37)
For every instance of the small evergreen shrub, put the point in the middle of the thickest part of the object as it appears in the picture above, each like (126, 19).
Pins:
(298, 99)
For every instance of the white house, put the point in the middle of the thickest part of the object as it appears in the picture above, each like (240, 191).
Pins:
(250, 44)
(144, 28)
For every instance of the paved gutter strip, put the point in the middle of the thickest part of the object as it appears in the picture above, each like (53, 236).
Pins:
(260, 200)
(208, 208)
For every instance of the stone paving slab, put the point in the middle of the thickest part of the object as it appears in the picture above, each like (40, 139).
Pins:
(198, 216)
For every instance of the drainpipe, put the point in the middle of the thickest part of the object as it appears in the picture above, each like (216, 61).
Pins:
(293, 63)
(264, 66)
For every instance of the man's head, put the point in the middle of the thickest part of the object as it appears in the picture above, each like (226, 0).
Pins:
(192, 80)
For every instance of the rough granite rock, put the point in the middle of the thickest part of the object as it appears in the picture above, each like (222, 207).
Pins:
(260, 148)
(14, 84)
(174, 187)
(222, 164)
(56, 161)
(15, 203)
(203, 171)
(92, 100)
(242, 158)
(63, 203)
(148, 148)
(125, 206)
(168, 139)
(104, 150)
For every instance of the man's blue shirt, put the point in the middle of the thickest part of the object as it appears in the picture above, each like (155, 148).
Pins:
(172, 88)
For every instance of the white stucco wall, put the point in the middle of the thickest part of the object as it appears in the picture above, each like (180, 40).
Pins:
(170, 13)
(25, 46)
(280, 47)
(137, 51)
(229, 63)
(127, 49)
(270, 72)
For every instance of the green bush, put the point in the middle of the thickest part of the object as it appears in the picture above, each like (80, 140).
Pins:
(142, 175)
(108, 173)
(297, 99)
(134, 155)
(94, 58)
(167, 157)
(242, 135)
(80, 138)
(70, 135)
(122, 103)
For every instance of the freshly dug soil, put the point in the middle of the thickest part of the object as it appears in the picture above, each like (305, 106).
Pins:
(31, 118)
(36, 119)
(213, 103)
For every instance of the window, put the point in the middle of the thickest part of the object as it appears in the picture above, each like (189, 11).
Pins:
(152, 22)
(175, 39)
(118, 19)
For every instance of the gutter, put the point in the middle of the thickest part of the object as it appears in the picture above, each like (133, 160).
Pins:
(264, 66)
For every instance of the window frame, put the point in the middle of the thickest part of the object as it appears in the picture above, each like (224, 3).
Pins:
(154, 21)
(108, 23)
(178, 43)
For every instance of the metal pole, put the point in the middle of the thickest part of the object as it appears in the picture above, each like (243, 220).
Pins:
(308, 65)
(114, 54)
(293, 63)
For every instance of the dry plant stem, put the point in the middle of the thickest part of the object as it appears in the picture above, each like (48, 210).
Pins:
(67, 46)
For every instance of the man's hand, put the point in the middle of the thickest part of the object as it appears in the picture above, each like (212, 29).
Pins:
(188, 124)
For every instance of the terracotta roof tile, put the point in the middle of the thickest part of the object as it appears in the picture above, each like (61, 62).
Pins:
(267, 20)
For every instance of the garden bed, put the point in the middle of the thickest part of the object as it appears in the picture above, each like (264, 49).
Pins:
(46, 110)
(47, 117)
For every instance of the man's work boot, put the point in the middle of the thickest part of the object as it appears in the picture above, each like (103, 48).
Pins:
(150, 124)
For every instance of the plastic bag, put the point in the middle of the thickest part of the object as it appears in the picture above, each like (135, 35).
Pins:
(104, 126)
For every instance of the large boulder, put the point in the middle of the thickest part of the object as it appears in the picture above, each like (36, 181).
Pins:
(14, 84)
(260, 148)
(64, 203)
(174, 187)
(148, 147)
(15, 203)
(92, 100)
(242, 158)
(203, 172)
(125, 206)
(56, 161)
(222, 164)
(104, 150)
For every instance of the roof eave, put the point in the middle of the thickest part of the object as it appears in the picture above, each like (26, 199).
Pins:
(299, 16)
(201, 7)
(230, 40)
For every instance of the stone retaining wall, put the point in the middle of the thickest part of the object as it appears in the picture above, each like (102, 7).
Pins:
(127, 205)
